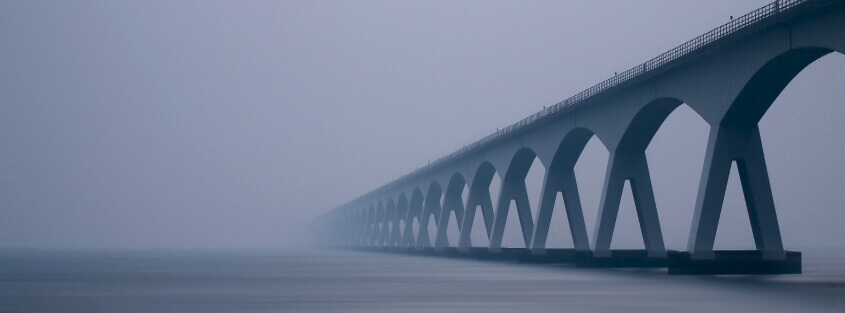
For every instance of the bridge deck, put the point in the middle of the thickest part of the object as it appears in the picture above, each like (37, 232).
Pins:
(777, 11)
(730, 76)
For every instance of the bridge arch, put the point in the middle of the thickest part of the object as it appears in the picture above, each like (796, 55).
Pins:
(560, 178)
(767, 83)
(736, 139)
(628, 163)
(645, 124)
(400, 220)
(478, 196)
(452, 202)
(415, 205)
(514, 189)
(364, 214)
(357, 228)
(371, 219)
(431, 208)
(387, 224)
(379, 222)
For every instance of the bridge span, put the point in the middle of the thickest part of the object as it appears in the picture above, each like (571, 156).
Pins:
(729, 76)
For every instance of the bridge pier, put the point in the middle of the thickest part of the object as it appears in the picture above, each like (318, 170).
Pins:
(452, 202)
(631, 167)
(368, 228)
(744, 146)
(408, 235)
(414, 213)
(479, 196)
(431, 208)
(479, 199)
(563, 181)
(560, 177)
(513, 189)
(400, 216)
(377, 225)
(386, 224)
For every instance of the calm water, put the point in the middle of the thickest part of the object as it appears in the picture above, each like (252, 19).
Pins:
(340, 281)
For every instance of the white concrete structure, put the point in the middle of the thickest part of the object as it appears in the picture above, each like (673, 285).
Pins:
(729, 76)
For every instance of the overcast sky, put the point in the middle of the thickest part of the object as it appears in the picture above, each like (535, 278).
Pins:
(207, 124)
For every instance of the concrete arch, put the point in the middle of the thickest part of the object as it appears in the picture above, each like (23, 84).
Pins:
(513, 189)
(646, 123)
(431, 208)
(759, 92)
(371, 219)
(349, 230)
(360, 229)
(378, 224)
(366, 214)
(387, 221)
(736, 138)
(400, 218)
(628, 162)
(479, 196)
(452, 202)
(361, 216)
(345, 233)
(415, 205)
(560, 177)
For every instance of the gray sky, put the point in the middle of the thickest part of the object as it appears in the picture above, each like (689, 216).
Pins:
(207, 124)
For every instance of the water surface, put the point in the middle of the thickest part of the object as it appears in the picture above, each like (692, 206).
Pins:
(343, 281)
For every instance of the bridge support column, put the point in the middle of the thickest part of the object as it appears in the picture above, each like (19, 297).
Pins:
(356, 229)
(371, 230)
(408, 234)
(376, 234)
(743, 145)
(395, 239)
(479, 195)
(349, 230)
(560, 179)
(414, 213)
(513, 188)
(432, 208)
(368, 240)
(423, 239)
(451, 203)
(341, 234)
(383, 232)
(632, 167)
(377, 230)
(384, 237)
(363, 229)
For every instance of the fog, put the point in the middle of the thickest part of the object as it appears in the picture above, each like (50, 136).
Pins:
(232, 124)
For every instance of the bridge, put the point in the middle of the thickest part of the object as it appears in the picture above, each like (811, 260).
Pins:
(729, 76)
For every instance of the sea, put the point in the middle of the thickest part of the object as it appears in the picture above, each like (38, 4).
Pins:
(346, 281)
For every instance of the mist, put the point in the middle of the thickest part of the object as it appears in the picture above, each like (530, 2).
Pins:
(232, 124)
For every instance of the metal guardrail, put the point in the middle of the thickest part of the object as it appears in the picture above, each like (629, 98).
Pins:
(770, 12)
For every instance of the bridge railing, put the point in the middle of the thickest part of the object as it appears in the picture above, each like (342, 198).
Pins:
(769, 12)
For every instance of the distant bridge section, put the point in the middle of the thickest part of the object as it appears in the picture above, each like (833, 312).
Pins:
(730, 76)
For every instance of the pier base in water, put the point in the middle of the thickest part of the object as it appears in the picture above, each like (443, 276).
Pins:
(733, 262)
(622, 259)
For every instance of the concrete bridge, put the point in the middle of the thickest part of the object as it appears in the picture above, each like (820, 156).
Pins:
(729, 76)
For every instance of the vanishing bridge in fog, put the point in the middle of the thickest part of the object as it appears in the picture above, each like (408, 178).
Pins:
(729, 76)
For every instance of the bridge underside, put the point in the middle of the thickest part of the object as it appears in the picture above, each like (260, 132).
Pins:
(730, 79)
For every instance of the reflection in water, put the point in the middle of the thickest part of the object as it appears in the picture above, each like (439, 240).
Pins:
(340, 281)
